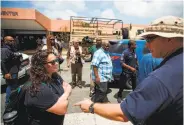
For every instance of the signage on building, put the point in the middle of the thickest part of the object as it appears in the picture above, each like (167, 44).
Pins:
(9, 13)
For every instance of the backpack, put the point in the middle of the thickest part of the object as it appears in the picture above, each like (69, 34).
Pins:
(15, 112)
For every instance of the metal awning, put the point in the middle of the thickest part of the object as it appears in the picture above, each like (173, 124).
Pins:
(20, 24)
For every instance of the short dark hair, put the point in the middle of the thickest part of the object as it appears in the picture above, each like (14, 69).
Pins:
(131, 42)
(98, 43)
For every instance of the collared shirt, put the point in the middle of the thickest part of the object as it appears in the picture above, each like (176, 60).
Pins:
(129, 58)
(158, 99)
(102, 61)
(147, 64)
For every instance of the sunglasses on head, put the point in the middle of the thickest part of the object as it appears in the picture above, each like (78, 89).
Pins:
(53, 62)
(151, 38)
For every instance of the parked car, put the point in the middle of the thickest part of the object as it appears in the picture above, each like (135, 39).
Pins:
(24, 68)
(116, 48)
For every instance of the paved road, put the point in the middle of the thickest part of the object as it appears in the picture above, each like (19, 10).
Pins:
(74, 115)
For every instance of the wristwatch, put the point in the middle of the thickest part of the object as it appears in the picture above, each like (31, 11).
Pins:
(91, 108)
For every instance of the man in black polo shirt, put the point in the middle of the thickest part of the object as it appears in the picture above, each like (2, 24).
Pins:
(129, 65)
(158, 99)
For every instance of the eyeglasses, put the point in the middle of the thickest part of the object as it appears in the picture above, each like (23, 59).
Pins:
(151, 38)
(53, 62)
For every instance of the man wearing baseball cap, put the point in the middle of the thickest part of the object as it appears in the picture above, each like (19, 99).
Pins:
(158, 99)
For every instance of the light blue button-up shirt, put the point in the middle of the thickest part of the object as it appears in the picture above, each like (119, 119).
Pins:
(102, 61)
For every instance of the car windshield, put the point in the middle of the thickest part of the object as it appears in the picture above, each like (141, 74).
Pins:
(117, 47)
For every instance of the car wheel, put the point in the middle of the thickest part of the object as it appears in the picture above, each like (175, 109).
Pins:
(129, 83)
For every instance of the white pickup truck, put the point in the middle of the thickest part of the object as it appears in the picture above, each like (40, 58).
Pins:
(24, 68)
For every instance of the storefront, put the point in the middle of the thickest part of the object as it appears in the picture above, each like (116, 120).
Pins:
(28, 25)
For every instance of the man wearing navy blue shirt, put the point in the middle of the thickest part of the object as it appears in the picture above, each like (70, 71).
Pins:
(158, 100)
(129, 66)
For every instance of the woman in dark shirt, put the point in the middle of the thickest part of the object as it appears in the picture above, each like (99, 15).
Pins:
(47, 98)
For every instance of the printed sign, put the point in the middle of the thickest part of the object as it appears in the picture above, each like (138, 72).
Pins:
(9, 13)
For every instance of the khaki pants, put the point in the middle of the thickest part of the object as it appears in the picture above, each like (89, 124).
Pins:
(76, 70)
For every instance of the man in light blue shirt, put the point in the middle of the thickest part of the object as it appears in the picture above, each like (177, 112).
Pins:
(147, 64)
(101, 72)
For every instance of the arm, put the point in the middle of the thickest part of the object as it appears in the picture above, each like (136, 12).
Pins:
(60, 107)
(123, 64)
(6, 57)
(95, 69)
(68, 57)
(138, 106)
(3, 67)
(59, 48)
(110, 111)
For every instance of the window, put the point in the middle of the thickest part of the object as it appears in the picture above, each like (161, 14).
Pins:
(117, 48)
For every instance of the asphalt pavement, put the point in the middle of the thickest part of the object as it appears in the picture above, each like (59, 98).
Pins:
(74, 115)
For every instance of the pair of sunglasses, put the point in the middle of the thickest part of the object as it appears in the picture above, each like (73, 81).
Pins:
(151, 38)
(53, 62)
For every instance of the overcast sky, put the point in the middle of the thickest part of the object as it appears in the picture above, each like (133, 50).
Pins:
(130, 11)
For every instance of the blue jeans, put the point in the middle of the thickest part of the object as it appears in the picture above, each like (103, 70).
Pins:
(12, 84)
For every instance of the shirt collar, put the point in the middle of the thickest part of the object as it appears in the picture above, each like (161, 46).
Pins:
(104, 51)
(177, 52)
(6, 46)
(131, 51)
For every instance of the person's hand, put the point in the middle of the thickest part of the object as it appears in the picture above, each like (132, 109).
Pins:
(8, 76)
(78, 53)
(84, 105)
(68, 65)
(67, 88)
(97, 80)
(133, 69)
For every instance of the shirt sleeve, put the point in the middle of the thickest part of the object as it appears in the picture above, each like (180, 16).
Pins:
(44, 99)
(9, 55)
(123, 56)
(144, 100)
(96, 59)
